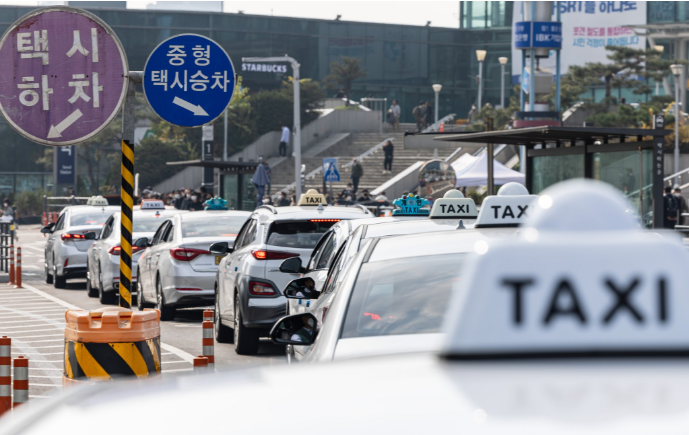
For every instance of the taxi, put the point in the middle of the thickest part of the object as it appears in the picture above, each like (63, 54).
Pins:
(577, 326)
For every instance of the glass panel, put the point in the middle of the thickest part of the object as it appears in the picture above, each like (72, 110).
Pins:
(33, 182)
(661, 12)
(230, 189)
(548, 170)
(633, 177)
(6, 185)
(297, 234)
(478, 15)
(496, 14)
(248, 198)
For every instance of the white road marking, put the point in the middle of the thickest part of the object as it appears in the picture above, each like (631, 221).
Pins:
(44, 385)
(179, 352)
(177, 370)
(47, 347)
(174, 362)
(41, 341)
(45, 377)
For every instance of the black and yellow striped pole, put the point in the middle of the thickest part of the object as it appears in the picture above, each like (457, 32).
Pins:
(127, 191)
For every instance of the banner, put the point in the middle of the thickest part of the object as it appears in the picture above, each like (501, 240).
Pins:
(587, 28)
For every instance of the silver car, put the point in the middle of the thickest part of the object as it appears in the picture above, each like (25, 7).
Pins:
(103, 257)
(65, 250)
(177, 270)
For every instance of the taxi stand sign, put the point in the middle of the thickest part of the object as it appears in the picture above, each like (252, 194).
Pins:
(312, 197)
(410, 205)
(564, 292)
(453, 205)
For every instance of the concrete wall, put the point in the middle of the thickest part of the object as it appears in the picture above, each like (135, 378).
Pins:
(191, 177)
(405, 180)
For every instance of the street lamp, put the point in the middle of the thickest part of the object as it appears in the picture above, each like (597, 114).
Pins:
(480, 56)
(297, 114)
(503, 62)
(659, 49)
(677, 71)
(436, 89)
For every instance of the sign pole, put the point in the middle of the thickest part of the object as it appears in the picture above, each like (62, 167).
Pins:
(127, 190)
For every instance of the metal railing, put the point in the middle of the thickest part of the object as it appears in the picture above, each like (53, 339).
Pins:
(435, 127)
(6, 239)
(64, 202)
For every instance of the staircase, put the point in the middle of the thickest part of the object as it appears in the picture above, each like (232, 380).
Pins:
(283, 173)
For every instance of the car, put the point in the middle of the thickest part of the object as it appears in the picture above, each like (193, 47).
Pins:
(65, 249)
(177, 270)
(103, 257)
(447, 214)
(249, 283)
(577, 326)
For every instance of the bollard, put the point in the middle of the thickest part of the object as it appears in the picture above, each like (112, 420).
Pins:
(200, 365)
(208, 315)
(110, 343)
(21, 381)
(207, 342)
(11, 265)
(44, 220)
(18, 274)
(5, 374)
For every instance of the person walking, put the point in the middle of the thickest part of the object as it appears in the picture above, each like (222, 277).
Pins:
(357, 173)
(266, 167)
(195, 204)
(388, 149)
(282, 200)
(428, 115)
(472, 113)
(260, 180)
(671, 208)
(396, 112)
(419, 114)
(683, 207)
(284, 140)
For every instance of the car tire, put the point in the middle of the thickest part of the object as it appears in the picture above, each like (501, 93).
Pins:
(223, 334)
(58, 281)
(245, 339)
(106, 298)
(90, 291)
(48, 276)
(167, 312)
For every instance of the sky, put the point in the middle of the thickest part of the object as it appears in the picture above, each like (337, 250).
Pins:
(439, 13)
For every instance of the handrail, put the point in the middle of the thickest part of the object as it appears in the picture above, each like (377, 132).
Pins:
(436, 126)
(449, 158)
(674, 175)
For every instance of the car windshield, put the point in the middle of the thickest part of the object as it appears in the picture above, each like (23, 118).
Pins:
(402, 296)
(147, 224)
(297, 234)
(96, 217)
(225, 226)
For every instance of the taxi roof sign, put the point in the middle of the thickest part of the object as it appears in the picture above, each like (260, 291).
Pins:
(216, 203)
(98, 201)
(561, 292)
(453, 205)
(506, 209)
(312, 197)
(152, 204)
(410, 205)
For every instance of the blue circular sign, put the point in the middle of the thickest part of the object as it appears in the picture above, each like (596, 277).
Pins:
(189, 80)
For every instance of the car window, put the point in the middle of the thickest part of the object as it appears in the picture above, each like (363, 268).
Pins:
(225, 226)
(297, 234)
(157, 237)
(250, 233)
(60, 222)
(169, 233)
(146, 224)
(334, 272)
(328, 252)
(317, 251)
(402, 296)
(107, 228)
(97, 216)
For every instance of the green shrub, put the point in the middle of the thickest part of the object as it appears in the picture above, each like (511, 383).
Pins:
(29, 202)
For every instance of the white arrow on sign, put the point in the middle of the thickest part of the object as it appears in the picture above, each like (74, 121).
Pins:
(56, 130)
(196, 110)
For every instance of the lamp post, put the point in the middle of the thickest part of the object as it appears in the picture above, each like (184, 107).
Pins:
(480, 56)
(659, 49)
(677, 72)
(436, 89)
(297, 114)
(503, 62)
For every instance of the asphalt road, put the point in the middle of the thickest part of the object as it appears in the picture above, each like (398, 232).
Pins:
(34, 318)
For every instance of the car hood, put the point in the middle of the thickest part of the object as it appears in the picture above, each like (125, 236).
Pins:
(348, 348)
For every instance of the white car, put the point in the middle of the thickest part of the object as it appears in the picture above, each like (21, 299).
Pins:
(65, 250)
(579, 326)
(177, 270)
(103, 259)
(249, 283)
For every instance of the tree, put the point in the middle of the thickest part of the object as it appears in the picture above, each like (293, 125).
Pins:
(344, 74)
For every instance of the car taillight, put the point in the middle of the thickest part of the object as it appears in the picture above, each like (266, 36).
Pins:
(186, 254)
(261, 254)
(260, 289)
(72, 236)
(115, 250)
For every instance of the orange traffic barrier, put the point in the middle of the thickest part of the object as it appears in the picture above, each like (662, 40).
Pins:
(44, 219)
(21, 381)
(18, 274)
(442, 128)
(207, 343)
(111, 342)
(11, 265)
(5, 374)
(200, 364)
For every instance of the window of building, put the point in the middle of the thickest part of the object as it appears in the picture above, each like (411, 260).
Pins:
(661, 12)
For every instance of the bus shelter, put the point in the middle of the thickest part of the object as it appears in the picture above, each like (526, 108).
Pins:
(630, 159)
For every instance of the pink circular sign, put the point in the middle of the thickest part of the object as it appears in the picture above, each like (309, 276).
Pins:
(63, 75)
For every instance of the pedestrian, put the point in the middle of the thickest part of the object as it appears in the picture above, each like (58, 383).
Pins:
(671, 208)
(428, 115)
(357, 173)
(472, 113)
(419, 114)
(381, 197)
(8, 211)
(365, 196)
(396, 112)
(187, 199)
(388, 149)
(177, 199)
(284, 140)
(346, 192)
(341, 93)
(260, 180)
(269, 172)
(683, 207)
(282, 200)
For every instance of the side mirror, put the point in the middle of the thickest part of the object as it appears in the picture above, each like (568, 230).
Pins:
(48, 228)
(292, 265)
(298, 330)
(142, 243)
(302, 288)
(91, 235)
(220, 248)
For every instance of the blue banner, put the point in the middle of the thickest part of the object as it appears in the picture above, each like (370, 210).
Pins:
(538, 34)
(66, 157)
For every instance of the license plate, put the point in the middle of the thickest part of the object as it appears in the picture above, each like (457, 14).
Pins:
(218, 258)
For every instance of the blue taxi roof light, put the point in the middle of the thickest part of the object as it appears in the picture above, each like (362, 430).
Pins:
(216, 204)
(411, 205)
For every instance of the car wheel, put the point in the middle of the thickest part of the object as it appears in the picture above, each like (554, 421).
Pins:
(167, 312)
(90, 291)
(223, 334)
(58, 281)
(245, 339)
(106, 298)
(48, 276)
